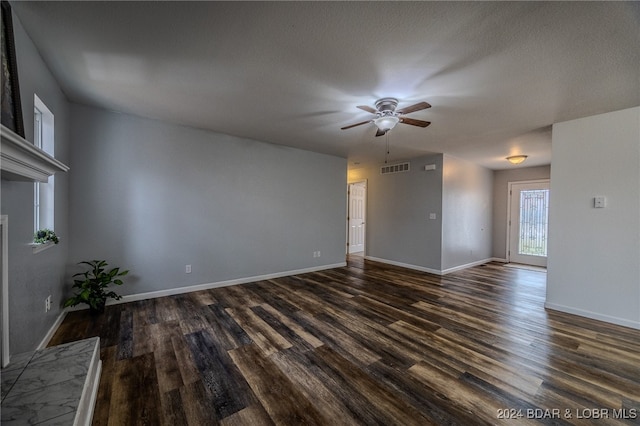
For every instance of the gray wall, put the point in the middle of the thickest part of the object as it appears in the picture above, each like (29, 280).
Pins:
(399, 228)
(32, 277)
(153, 197)
(594, 254)
(467, 205)
(398, 207)
(501, 179)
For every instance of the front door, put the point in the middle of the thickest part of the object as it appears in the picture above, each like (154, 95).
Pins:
(357, 203)
(528, 222)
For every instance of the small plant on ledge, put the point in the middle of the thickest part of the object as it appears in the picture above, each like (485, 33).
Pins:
(43, 236)
(93, 287)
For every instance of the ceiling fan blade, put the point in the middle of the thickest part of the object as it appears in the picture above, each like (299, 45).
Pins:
(354, 125)
(381, 132)
(412, 108)
(414, 122)
(367, 108)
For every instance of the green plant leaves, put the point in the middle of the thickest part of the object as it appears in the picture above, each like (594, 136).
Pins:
(93, 287)
(42, 236)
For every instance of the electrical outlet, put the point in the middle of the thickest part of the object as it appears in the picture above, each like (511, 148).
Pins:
(47, 304)
(187, 269)
(317, 253)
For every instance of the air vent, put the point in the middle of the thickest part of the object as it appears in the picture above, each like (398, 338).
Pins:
(396, 168)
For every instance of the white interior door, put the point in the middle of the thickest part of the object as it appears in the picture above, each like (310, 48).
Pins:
(528, 222)
(356, 220)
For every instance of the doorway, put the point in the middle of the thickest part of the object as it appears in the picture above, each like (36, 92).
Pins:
(356, 215)
(528, 222)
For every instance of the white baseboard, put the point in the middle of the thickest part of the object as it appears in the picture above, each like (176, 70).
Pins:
(593, 315)
(404, 265)
(47, 338)
(499, 259)
(207, 286)
(467, 265)
(429, 270)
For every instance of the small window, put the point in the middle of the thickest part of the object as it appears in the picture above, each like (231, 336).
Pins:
(43, 193)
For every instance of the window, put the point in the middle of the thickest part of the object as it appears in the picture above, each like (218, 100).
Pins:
(43, 193)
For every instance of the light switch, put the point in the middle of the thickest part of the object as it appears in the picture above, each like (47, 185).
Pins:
(599, 202)
(432, 216)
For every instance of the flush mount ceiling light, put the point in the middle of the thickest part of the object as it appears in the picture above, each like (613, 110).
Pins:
(516, 159)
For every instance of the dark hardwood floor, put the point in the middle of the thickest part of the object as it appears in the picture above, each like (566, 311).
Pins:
(364, 344)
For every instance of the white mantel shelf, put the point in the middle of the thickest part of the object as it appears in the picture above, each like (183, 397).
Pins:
(21, 160)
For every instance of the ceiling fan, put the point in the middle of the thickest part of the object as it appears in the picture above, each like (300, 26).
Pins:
(387, 116)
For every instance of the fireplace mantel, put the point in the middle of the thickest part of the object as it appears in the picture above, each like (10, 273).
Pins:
(21, 160)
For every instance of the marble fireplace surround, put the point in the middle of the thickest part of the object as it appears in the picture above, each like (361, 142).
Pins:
(52, 386)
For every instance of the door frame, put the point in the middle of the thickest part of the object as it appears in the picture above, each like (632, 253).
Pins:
(366, 198)
(509, 189)
(4, 224)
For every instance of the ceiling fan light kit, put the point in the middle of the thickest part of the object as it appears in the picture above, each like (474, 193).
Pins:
(386, 123)
(387, 116)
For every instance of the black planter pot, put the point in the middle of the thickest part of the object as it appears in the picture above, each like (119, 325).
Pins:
(99, 309)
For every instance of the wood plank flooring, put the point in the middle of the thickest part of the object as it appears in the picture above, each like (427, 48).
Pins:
(367, 344)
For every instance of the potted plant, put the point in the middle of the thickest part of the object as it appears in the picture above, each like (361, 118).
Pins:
(93, 286)
(43, 236)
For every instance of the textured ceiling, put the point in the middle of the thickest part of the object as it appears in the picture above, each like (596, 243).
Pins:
(497, 74)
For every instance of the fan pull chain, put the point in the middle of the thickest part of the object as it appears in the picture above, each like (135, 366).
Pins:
(386, 156)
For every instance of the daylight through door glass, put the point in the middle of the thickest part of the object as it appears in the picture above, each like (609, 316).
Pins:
(534, 211)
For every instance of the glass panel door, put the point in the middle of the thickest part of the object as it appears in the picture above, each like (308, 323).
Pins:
(528, 222)
(534, 211)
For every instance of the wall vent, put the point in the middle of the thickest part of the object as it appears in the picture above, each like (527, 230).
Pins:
(396, 168)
